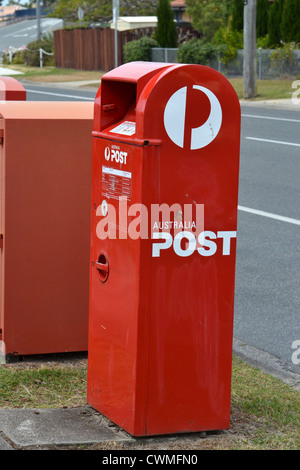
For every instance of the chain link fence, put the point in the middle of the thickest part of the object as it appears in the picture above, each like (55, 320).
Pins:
(269, 64)
(164, 54)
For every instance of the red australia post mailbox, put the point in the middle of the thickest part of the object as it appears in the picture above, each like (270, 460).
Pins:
(166, 145)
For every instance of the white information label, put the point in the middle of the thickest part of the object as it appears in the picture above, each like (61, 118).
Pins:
(125, 128)
(116, 183)
(114, 171)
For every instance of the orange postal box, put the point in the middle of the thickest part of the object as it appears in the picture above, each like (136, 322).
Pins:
(45, 181)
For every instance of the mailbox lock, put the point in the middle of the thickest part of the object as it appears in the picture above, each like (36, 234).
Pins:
(102, 267)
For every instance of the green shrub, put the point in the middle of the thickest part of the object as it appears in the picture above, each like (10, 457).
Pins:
(5, 59)
(32, 54)
(263, 42)
(283, 58)
(228, 41)
(139, 49)
(197, 51)
(16, 58)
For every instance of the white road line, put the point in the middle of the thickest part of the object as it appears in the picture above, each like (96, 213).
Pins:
(270, 117)
(270, 215)
(60, 94)
(273, 141)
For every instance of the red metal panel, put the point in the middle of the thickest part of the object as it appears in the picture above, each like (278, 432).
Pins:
(45, 186)
(114, 325)
(160, 343)
(11, 90)
(2, 209)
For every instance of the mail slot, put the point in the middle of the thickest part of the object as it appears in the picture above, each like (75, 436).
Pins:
(166, 142)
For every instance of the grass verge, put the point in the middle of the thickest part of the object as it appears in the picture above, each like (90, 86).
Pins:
(266, 89)
(42, 384)
(53, 74)
(265, 412)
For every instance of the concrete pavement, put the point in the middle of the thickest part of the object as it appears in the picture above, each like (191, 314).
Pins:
(49, 428)
(6, 72)
(287, 104)
(4, 445)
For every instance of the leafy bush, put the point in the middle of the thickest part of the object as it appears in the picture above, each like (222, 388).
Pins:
(228, 42)
(263, 42)
(197, 51)
(283, 58)
(139, 49)
(18, 57)
(5, 59)
(32, 54)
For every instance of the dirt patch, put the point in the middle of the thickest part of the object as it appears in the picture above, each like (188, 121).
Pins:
(241, 429)
(76, 359)
(241, 432)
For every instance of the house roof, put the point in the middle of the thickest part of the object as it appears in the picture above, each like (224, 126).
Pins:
(178, 4)
(132, 22)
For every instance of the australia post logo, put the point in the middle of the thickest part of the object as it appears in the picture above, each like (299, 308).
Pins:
(177, 228)
(115, 154)
(193, 117)
(192, 120)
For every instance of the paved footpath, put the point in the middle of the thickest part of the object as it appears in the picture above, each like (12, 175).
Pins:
(47, 428)
(4, 445)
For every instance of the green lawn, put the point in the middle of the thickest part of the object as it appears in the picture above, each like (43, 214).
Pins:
(266, 89)
(53, 74)
(265, 412)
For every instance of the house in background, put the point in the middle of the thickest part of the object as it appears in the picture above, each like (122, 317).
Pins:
(179, 8)
(127, 23)
(9, 10)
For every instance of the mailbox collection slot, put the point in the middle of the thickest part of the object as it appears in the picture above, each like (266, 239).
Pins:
(118, 101)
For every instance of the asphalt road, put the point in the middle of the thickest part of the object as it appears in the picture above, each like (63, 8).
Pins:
(267, 283)
(21, 33)
(267, 277)
(56, 93)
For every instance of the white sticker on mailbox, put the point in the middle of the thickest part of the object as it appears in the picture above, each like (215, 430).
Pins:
(116, 183)
(125, 128)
